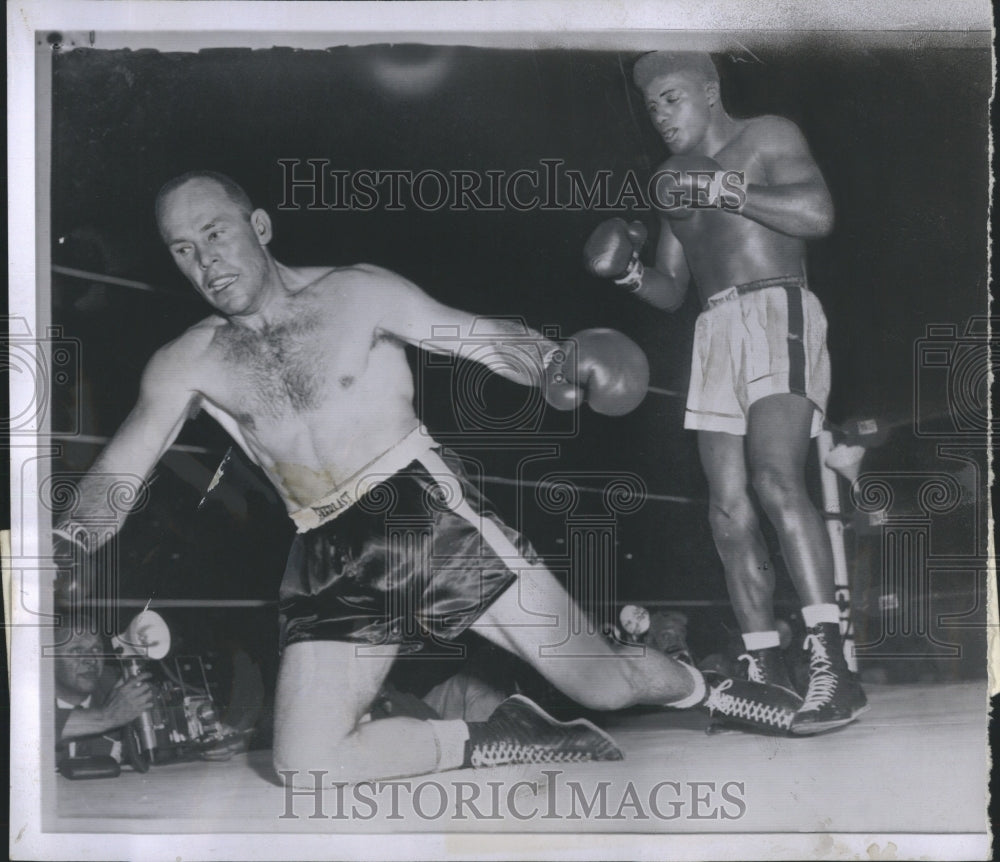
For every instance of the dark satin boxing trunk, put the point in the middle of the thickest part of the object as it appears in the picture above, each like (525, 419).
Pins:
(400, 564)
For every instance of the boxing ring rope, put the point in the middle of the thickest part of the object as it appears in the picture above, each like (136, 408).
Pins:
(829, 483)
(530, 483)
(107, 279)
(98, 440)
(669, 393)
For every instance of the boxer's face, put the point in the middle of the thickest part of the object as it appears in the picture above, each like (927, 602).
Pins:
(79, 664)
(679, 106)
(219, 247)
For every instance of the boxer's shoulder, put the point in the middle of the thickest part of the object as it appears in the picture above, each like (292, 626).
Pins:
(349, 272)
(187, 353)
(194, 340)
(357, 281)
(769, 131)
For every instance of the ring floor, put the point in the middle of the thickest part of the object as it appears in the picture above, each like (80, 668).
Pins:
(916, 762)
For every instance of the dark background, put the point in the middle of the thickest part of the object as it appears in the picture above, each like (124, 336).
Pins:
(901, 136)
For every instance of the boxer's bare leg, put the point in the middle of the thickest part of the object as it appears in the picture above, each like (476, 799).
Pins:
(778, 443)
(324, 688)
(532, 619)
(736, 530)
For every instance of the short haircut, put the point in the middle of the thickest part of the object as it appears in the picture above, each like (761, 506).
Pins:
(234, 191)
(658, 63)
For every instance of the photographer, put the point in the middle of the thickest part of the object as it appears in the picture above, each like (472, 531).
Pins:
(92, 702)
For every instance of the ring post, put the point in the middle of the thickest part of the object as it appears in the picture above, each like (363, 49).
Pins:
(835, 527)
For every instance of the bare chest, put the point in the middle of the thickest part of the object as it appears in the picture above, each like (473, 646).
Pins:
(288, 369)
(741, 156)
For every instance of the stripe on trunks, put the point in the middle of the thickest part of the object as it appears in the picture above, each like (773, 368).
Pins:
(503, 547)
(796, 342)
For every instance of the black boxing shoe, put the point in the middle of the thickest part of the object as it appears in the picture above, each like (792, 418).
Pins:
(520, 731)
(749, 705)
(767, 666)
(834, 697)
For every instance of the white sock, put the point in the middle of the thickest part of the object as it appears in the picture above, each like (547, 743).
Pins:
(696, 696)
(761, 640)
(813, 615)
(450, 737)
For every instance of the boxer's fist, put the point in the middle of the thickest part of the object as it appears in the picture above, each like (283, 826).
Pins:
(601, 366)
(687, 183)
(612, 250)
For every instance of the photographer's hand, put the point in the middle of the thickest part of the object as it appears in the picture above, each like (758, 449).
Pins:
(126, 703)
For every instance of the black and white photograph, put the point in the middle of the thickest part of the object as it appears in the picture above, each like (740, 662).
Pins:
(500, 430)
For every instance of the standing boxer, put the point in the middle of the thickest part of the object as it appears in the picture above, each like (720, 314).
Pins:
(306, 369)
(738, 198)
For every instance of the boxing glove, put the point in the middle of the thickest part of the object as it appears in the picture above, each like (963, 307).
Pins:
(601, 366)
(560, 390)
(687, 183)
(612, 251)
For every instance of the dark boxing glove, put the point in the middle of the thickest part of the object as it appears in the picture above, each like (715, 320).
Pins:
(560, 390)
(612, 251)
(601, 366)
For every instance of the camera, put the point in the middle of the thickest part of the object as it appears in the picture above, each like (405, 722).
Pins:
(183, 721)
(951, 379)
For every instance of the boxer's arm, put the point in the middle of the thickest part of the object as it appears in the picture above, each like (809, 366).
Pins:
(665, 285)
(795, 200)
(507, 347)
(110, 488)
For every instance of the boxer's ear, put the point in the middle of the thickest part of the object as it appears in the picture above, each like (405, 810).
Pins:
(712, 92)
(260, 221)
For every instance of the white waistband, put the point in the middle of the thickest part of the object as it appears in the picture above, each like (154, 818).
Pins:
(380, 468)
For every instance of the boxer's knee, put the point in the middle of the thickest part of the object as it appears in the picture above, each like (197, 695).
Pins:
(296, 763)
(780, 491)
(296, 770)
(302, 766)
(614, 691)
(617, 683)
(733, 522)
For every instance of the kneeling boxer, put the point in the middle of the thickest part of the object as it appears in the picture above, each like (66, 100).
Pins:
(306, 369)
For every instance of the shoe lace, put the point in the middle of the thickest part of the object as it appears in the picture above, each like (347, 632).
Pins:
(734, 706)
(755, 672)
(822, 679)
(501, 753)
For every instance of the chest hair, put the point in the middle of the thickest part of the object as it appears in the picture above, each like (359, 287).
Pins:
(278, 369)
